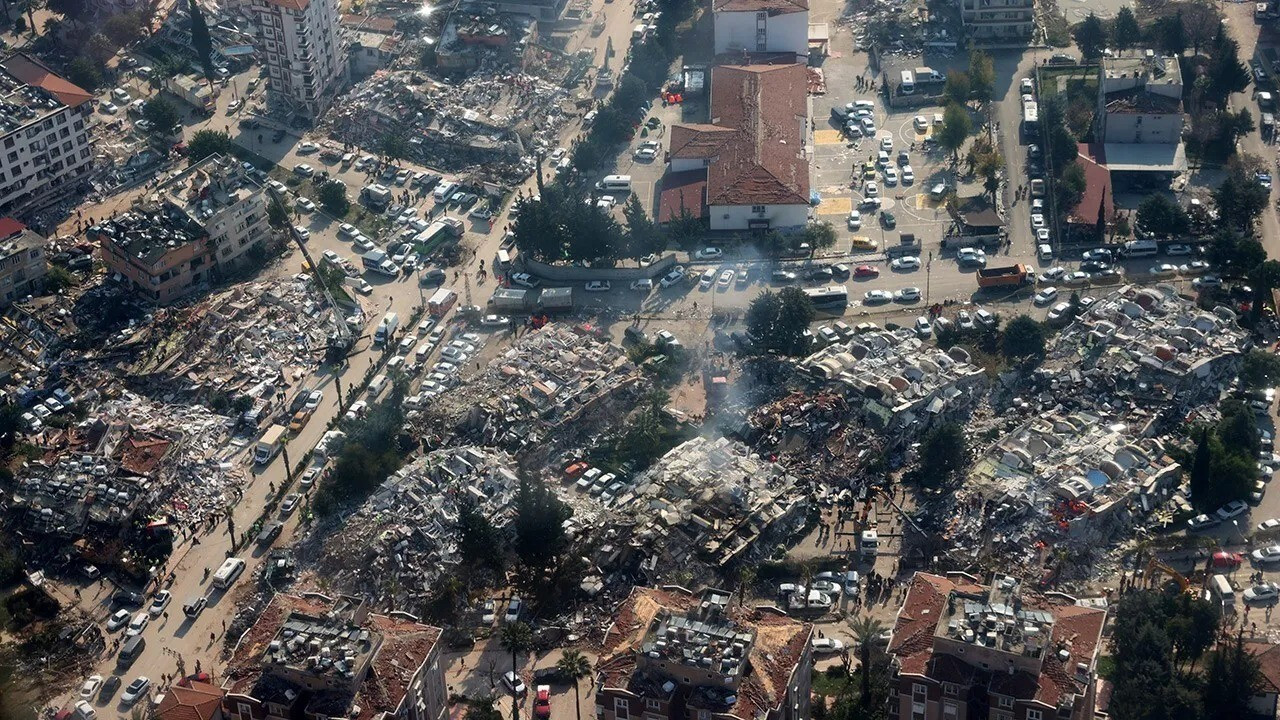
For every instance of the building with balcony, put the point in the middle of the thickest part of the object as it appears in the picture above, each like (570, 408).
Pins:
(762, 26)
(314, 657)
(45, 149)
(306, 58)
(961, 650)
(998, 20)
(674, 655)
(22, 261)
(230, 206)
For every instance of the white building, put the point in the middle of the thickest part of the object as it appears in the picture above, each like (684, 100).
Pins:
(45, 148)
(1140, 114)
(753, 150)
(306, 60)
(998, 20)
(762, 26)
(216, 194)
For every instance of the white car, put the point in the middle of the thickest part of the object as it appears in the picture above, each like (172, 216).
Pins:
(159, 603)
(855, 219)
(356, 410)
(1027, 86)
(346, 230)
(1163, 270)
(726, 279)
(909, 262)
(646, 154)
(827, 646)
(1037, 221)
(890, 176)
(886, 143)
(907, 294)
(513, 683)
(1266, 555)
(90, 687)
(118, 619)
(597, 286)
(708, 253)
(921, 122)
(923, 328)
(908, 175)
(304, 170)
(708, 277)
(306, 205)
(307, 148)
(965, 321)
(137, 625)
(877, 296)
(1264, 594)
(673, 277)
(1054, 273)
(85, 710)
(1046, 296)
(524, 279)
(1269, 524)
(301, 233)
(136, 690)
(872, 190)
(1059, 311)
(1235, 508)
(1207, 281)
(109, 108)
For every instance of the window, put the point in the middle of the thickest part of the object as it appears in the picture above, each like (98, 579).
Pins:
(1004, 701)
(620, 707)
(652, 704)
(757, 209)
(949, 709)
(243, 710)
(950, 689)
(8, 142)
(1034, 714)
(762, 16)
(919, 692)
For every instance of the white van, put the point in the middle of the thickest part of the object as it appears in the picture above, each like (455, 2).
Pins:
(615, 182)
(377, 385)
(908, 85)
(1141, 248)
(422, 352)
(228, 573)
(638, 32)
(1220, 589)
(444, 190)
(503, 260)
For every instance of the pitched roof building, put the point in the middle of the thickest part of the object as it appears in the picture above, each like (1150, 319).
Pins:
(671, 653)
(190, 700)
(959, 646)
(753, 148)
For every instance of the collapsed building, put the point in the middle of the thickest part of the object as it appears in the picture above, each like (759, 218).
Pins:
(673, 653)
(314, 656)
(554, 385)
(78, 496)
(897, 383)
(474, 34)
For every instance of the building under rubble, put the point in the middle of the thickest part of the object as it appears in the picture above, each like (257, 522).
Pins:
(475, 32)
(314, 657)
(671, 653)
(77, 496)
(960, 649)
(201, 223)
(898, 383)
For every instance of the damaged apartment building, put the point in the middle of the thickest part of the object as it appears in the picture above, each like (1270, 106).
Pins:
(1144, 347)
(898, 383)
(672, 653)
(317, 657)
(709, 502)
(1061, 480)
(476, 34)
(962, 650)
(407, 529)
(553, 385)
(199, 225)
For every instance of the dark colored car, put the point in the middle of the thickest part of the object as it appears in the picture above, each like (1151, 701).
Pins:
(888, 220)
(125, 597)
(1092, 266)
(109, 688)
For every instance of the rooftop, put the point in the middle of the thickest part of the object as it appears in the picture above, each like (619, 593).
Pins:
(773, 7)
(16, 238)
(189, 700)
(1097, 191)
(150, 235)
(996, 619)
(29, 91)
(215, 183)
(1147, 65)
(702, 638)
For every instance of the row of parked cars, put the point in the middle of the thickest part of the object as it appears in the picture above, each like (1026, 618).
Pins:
(59, 401)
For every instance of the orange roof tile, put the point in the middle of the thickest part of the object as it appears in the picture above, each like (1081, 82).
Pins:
(32, 72)
(197, 701)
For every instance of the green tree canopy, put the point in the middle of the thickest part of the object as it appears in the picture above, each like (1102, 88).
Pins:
(820, 235)
(956, 128)
(540, 538)
(958, 88)
(332, 195)
(479, 542)
(1125, 32)
(159, 111)
(84, 72)
(777, 321)
(1160, 215)
(982, 75)
(1240, 200)
(200, 40)
(207, 142)
(1091, 37)
(1260, 369)
(643, 236)
(1024, 337)
(942, 454)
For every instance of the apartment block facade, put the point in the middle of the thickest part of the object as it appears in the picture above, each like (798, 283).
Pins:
(22, 261)
(998, 20)
(306, 60)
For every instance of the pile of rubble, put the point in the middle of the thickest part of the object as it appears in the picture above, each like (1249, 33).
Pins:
(403, 538)
(554, 385)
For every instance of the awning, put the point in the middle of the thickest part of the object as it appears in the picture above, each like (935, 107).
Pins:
(1145, 157)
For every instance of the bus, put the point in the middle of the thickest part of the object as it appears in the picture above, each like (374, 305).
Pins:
(228, 573)
(1140, 248)
(1030, 119)
(828, 298)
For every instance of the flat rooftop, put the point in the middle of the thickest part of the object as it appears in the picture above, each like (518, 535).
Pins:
(29, 91)
(148, 236)
(996, 619)
(215, 183)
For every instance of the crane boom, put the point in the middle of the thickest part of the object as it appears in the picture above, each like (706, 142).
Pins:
(340, 339)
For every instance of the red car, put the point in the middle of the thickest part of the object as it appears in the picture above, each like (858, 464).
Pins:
(866, 271)
(542, 702)
(576, 469)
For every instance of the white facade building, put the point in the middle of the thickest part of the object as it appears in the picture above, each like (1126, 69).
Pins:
(45, 147)
(217, 195)
(306, 60)
(762, 26)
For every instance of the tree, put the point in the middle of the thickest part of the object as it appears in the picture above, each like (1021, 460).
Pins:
(1159, 215)
(988, 167)
(1240, 200)
(1202, 467)
(479, 542)
(820, 235)
(1171, 34)
(574, 666)
(73, 10)
(1091, 37)
(124, 28)
(1023, 338)
(958, 88)
(982, 75)
(1260, 369)
(1201, 23)
(483, 708)
(540, 537)
(1100, 229)
(161, 113)
(866, 633)
(643, 235)
(1225, 73)
(200, 40)
(99, 48)
(956, 127)
(395, 147)
(332, 195)
(1071, 186)
(277, 215)
(516, 638)
(942, 454)
(1125, 32)
(777, 321)
(19, 25)
(207, 142)
(1232, 679)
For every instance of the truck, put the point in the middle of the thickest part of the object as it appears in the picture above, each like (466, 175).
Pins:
(440, 302)
(560, 298)
(928, 75)
(1004, 276)
(192, 91)
(376, 196)
(376, 260)
(437, 231)
(386, 329)
(268, 444)
(509, 299)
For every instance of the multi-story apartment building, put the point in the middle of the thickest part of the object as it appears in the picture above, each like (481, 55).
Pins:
(964, 651)
(314, 657)
(22, 261)
(762, 26)
(205, 221)
(674, 655)
(998, 20)
(45, 148)
(306, 60)
(1140, 115)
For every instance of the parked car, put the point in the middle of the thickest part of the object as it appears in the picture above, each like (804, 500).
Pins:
(136, 690)
(90, 687)
(159, 603)
(513, 682)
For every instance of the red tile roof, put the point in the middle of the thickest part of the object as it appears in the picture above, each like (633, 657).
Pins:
(32, 72)
(1097, 186)
(10, 227)
(683, 191)
(405, 646)
(298, 5)
(245, 666)
(369, 23)
(760, 112)
(773, 7)
(1268, 656)
(196, 701)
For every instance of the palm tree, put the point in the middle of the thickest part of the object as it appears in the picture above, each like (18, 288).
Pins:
(575, 666)
(866, 632)
(516, 638)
